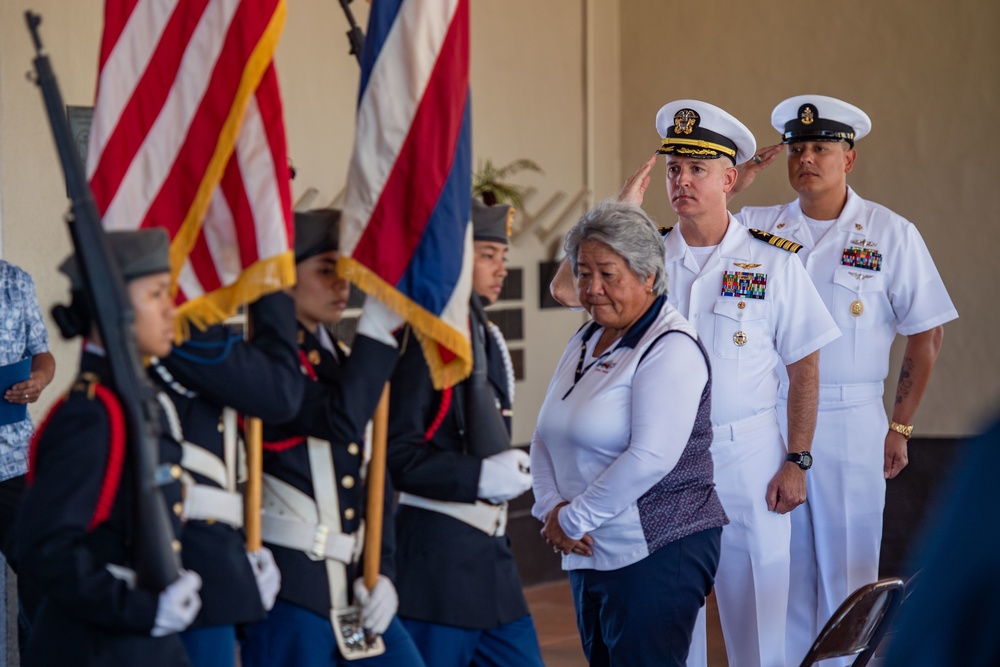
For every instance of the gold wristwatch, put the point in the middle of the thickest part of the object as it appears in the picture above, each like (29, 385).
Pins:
(904, 431)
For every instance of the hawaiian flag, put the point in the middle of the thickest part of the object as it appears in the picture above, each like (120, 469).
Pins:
(187, 134)
(405, 233)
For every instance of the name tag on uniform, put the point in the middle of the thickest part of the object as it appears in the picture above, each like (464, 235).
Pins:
(744, 284)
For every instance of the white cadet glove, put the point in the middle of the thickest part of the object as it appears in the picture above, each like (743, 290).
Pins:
(378, 322)
(378, 606)
(505, 476)
(265, 570)
(178, 605)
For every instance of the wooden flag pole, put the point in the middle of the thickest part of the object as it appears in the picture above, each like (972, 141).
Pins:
(254, 438)
(376, 491)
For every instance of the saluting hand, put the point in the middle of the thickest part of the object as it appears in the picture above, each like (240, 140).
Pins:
(748, 171)
(634, 190)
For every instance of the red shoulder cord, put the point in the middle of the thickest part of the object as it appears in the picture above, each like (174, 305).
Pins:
(439, 417)
(116, 456)
(307, 366)
(116, 452)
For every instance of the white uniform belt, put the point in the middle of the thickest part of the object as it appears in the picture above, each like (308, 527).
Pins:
(314, 540)
(736, 430)
(207, 503)
(289, 519)
(200, 460)
(835, 393)
(491, 519)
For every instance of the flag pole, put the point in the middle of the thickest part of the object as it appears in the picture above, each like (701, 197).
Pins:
(254, 442)
(374, 516)
(255, 463)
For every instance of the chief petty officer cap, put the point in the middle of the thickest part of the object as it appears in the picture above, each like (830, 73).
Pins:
(819, 118)
(491, 223)
(316, 231)
(138, 253)
(690, 128)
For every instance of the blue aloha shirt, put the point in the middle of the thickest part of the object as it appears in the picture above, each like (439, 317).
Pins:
(22, 334)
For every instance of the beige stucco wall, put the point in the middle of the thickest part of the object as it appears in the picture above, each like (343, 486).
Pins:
(574, 85)
(32, 190)
(926, 73)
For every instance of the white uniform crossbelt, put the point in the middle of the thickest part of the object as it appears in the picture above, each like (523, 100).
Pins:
(491, 519)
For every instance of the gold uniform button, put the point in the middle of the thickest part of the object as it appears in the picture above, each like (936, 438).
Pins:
(347, 482)
(353, 449)
(857, 308)
(176, 471)
(349, 513)
(741, 305)
(740, 338)
(314, 357)
(221, 427)
(176, 546)
(178, 508)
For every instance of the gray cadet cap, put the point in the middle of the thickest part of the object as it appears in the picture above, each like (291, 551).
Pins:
(491, 223)
(316, 231)
(138, 253)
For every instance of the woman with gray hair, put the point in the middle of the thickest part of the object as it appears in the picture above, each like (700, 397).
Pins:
(620, 457)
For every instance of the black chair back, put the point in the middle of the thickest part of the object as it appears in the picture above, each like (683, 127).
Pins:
(859, 624)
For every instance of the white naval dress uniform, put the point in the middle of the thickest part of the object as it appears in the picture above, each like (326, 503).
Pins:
(877, 278)
(774, 318)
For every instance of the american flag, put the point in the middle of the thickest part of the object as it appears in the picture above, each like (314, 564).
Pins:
(405, 233)
(187, 134)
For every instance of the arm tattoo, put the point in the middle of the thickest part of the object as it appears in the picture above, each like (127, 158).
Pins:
(905, 381)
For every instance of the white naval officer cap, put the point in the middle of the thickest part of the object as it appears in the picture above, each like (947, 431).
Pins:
(819, 118)
(690, 128)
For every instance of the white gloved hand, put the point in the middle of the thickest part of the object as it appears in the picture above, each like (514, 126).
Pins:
(378, 606)
(378, 322)
(265, 570)
(178, 605)
(505, 476)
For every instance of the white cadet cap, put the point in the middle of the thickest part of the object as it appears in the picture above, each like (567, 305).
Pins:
(819, 118)
(690, 128)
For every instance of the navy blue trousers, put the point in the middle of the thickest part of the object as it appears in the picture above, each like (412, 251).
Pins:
(644, 613)
(513, 644)
(293, 635)
(214, 646)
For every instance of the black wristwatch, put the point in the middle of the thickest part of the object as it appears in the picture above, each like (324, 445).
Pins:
(803, 459)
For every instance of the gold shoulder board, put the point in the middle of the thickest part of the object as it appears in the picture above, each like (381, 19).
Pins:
(776, 241)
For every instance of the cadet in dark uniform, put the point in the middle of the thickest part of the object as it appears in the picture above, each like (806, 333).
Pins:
(74, 523)
(210, 378)
(460, 595)
(313, 474)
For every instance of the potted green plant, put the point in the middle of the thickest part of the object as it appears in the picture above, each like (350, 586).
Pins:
(489, 182)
